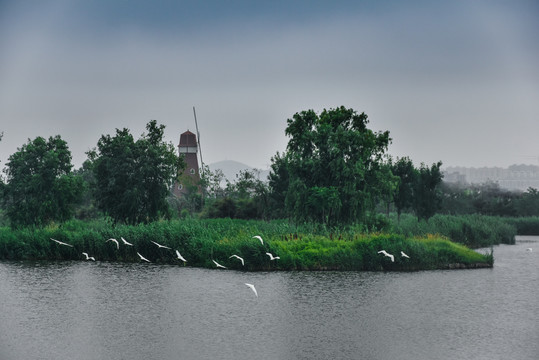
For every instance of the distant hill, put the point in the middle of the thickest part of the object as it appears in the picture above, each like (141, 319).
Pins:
(231, 168)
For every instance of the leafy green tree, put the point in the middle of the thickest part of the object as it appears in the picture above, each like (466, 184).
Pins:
(133, 178)
(278, 186)
(528, 203)
(87, 208)
(40, 187)
(333, 163)
(407, 174)
(427, 193)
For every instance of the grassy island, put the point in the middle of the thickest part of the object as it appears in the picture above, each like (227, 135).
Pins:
(201, 241)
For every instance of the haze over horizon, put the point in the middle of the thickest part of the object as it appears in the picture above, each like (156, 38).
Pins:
(452, 81)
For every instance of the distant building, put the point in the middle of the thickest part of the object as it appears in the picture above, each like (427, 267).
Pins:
(515, 177)
(190, 177)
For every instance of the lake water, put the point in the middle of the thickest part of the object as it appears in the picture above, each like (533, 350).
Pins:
(87, 310)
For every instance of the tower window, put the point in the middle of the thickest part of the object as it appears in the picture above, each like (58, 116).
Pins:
(192, 171)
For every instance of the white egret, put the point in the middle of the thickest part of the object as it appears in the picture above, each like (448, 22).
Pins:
(404, 255)
(143, 258)
(180, 256)
(259, 238)
(252, 288)
(218, 265)
(272, 257)
(61, 243)
(237, 257)
(88, 257)
(160, 246)
(388, 255)
(114, 241)
(126, 242)
(529, 250)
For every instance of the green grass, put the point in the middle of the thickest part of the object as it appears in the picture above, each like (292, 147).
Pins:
(475, 231)
(305, 247)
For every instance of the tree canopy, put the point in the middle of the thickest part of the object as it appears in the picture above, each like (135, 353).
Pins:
(133, 178)
(333, 166)
(40, 187)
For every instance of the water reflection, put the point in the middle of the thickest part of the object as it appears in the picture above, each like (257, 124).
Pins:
(89, 310)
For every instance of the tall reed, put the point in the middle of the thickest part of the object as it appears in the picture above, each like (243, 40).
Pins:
(201, 241)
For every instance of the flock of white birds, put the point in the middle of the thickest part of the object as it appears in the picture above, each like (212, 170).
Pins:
(392, 257)
(178, 255)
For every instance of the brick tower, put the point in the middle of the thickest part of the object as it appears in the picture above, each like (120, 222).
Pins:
(188, 148)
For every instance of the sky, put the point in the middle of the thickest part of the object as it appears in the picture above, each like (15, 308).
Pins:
(452, 81)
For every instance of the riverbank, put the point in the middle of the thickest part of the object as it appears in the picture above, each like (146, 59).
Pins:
(202, 241)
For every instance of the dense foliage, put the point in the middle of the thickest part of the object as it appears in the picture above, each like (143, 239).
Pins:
(488, 199)
(40, 187)
(332, 169)
(133, 178)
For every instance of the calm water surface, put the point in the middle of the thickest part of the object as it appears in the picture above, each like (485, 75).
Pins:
(86, 310)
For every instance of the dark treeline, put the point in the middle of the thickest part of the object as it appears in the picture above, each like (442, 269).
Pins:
(488, 199)
(335, 172)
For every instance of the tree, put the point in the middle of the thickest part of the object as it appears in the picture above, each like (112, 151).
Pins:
(246, 198)
(40, 187)
(278, 186)
(427, 194)
(528, 204)
(87, 208)
(403, 197)
(133, 178)
(333, 164)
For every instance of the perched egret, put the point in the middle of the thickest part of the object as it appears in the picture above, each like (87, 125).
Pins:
(404, 255)
(218, 265)
(529, 250)
(388, 255)
(88, 257)
(252, 288)
(180, 256)
(115, 241)
(160, 246)
(237, 257)
(61, 243)
(143, 258)
(259, 238)
(126, 242)
(272, 257)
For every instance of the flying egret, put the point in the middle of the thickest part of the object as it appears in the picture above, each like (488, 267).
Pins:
(160, 246)
(218, 265)
(61, 243)
(88, 257)
(388, 255)
(404, 255)
(126, 242)
(272, 257)
(237, 257)
(529, 250)
(180, 256)
(115, 241)
(259, 238)
(252, 288)
(143, 258)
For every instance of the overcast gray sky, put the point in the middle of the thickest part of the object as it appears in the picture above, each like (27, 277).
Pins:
(456, 81)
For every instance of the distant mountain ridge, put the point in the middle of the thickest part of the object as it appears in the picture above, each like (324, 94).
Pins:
(231, 168)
